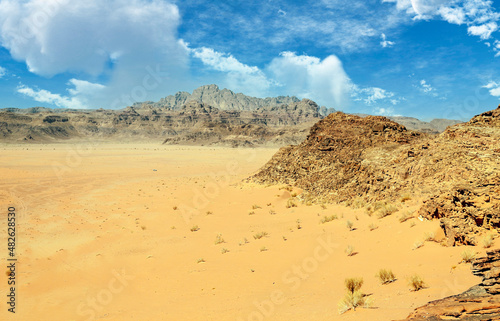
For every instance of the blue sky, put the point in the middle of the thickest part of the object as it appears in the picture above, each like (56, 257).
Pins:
(422, 58)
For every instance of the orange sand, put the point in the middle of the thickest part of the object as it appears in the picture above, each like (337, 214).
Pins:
(98, 238)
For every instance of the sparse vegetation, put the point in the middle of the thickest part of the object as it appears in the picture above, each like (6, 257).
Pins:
(412, 224)
(349, 250)
(209, 213)
(323, 206)
(291, 203)
(272, 212)
(195, 228)
(298, 225)
(349, 225)
(200, 261)
(430, 237)
(386, 210)
(353, 298)
(219, 239)
(173, 227)
(372, 227)
(328, 218)
(255, 206)
(468, 255)
(251, 213)
(260, 235)
(143, 227)
(417, 245)
(404, 198)
(416, 283)
(224, 250)
(488, 241)
(175, 208)
(386, 276)
(263, 249)
(406, 216)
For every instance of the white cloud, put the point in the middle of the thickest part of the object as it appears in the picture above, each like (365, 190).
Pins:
(324, 81)
(76, 99)
(494, 88)
(239, 76)
(426, 88)
(386, 43)
(452, 15)
(121, 39)
(479, 15)
(484, 31)
(371, 95)
(3, 72)
(383, 111)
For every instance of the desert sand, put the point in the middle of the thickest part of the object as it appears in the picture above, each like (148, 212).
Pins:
(128, 232)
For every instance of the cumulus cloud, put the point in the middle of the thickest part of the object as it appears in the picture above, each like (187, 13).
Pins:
(484, 31)
(239, 76)
(386, 43)
(75, 100)
(322, 80)
(494, 88)
(117, 39)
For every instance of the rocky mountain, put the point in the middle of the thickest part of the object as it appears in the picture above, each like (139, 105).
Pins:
(349, 159)
(193, 123)
(223, 99)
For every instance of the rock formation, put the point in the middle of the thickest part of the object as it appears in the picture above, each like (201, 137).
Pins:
(348, 159)
(481, 302)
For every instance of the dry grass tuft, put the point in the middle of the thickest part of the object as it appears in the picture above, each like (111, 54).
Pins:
(327, 218)
(349, 225)
(430, 237)
(260, 235)
(195, 228)
(408, 215)
(350, 250)
(416, 283)
(219, 239)
(291, 203)
(488, 241)
(468, 255)
(353, 298)
(224, 250)
(372, 227)
(417, 245)
(386, 276)
(386, 210)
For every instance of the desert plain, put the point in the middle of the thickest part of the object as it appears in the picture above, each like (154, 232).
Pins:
(136, 231)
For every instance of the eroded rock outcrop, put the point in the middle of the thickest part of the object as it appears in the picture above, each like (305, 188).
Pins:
(347, 158)
(481, 302)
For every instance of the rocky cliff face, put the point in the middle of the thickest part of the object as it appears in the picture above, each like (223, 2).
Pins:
(224, 99)
(480, 302)
(348, 158)
(193, 123)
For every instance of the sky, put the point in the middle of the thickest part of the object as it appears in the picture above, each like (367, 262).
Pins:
(419, 58)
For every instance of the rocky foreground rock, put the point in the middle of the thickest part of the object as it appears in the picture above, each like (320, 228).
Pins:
(353, 160)
(481, 302)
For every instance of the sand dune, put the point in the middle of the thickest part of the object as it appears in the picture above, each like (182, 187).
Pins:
(109, 232)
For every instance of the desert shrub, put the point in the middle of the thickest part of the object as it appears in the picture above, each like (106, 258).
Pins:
(406, 216)
(386, 276)
(224, 250)
(200, 261)
(219, 239)
(416, 282)
(404, 198)
(372, 227)
(260, 235)
(468, 255)
(291, 203)
(329, 218)
(255, 206)
(349, 250)
(349, 225)
(430, 237)
(354, 297)
(386, 210)
(263, 249)
(353, 284)
(195, 228)
(488, 241)
(417, 245)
